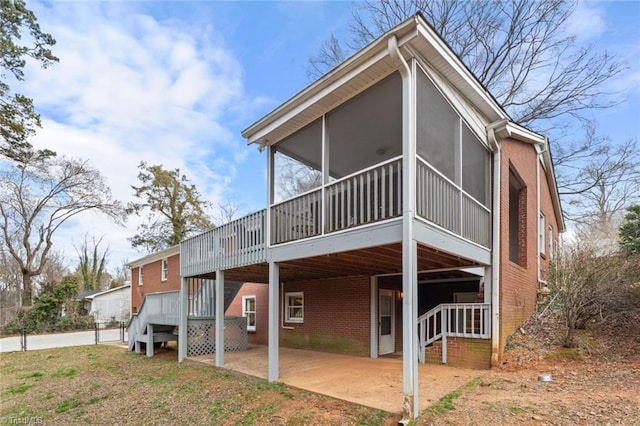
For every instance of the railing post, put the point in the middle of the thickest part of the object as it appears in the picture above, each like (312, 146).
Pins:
(445, 331)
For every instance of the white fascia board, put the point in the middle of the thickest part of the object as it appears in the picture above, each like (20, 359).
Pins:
(154, 257)
(361, 60)
(525, 135)
(111, 290)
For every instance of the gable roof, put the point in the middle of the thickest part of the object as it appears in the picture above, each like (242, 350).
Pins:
(111, 290)
(415, 37)
(154, 257)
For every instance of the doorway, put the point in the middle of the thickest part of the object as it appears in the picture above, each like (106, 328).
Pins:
(386, 322)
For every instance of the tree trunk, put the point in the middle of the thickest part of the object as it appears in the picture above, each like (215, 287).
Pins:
(27, 290)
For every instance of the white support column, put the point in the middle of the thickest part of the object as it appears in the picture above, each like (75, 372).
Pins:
(374, 317)
(274, 314)
(409, 246)
(184, 312)
(219, 318)
(149, 339)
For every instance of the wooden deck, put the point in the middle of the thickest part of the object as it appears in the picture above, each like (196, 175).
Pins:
(375, 383)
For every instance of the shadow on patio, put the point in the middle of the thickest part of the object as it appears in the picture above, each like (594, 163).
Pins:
(375, 383)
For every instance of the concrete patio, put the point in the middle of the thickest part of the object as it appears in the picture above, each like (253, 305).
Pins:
(375, 383)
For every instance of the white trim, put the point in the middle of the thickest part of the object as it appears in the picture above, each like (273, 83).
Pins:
(140, 275)
(164, 269)
(171, 251)
(288, 306)
(254, 312)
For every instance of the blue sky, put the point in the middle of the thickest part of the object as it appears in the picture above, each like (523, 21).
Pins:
(174, 83)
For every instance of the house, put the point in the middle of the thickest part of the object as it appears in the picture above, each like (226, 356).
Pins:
(110, 305)
(155, 273)
(157, 276)
(406, 213)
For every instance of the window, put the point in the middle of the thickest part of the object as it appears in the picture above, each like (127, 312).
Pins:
(517, 219)
(541, 231)
(551, 240)
(294, 307)
(249, 311)
(165, 269)
(140, 275)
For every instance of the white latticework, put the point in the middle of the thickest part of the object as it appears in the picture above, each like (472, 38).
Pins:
(201, 335)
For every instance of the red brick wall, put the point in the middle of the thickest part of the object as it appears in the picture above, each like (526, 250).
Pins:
(337, 316)
(469, 353)
(151, 281)
(519, 282)
(261, 292)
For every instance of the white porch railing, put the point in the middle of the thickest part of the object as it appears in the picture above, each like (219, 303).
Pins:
(453, 320)
(156, 308)
(442, 202)
(297, 218)
(201, 296)
(368, 196)
(237, 243)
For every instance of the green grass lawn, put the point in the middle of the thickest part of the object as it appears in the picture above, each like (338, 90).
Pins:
(109, 385)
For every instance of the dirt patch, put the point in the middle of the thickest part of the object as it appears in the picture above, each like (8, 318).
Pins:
(596, 383)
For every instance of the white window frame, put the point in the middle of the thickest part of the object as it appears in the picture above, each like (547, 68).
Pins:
(140, 275)
(288, 307)
(542, 228)
(246, 312)
(164, 265)
(551, 241)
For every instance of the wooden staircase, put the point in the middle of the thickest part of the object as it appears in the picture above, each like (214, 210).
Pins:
(153, 336)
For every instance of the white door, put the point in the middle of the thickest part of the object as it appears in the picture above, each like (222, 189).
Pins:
(386, 322)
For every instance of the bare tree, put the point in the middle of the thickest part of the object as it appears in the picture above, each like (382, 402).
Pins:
(518, 49)
(10, 280)
(92, 262)
(330, 54)
(598, 180)
(226, 212)
(588, 284)
(38, 195)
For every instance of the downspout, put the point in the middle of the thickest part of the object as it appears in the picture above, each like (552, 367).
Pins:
(409, 249)
(540, 149)
(495, 254)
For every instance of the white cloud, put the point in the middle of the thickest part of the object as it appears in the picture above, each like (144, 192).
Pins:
(586, 22)
(130, 88)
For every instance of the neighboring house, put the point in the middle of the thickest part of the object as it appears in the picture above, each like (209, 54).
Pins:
(83, 300)
(159, 273)
(110, 305)
(154, 273)
(407, 213)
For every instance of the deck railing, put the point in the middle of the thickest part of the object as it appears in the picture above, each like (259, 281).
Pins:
(237, 243)
(453, 320)
(156, 308)
(370, 195)
(201, 296)
(444, 203)
(297, 218)
(367, 196)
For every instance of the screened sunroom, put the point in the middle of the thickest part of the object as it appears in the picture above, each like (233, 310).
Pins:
(344, 169)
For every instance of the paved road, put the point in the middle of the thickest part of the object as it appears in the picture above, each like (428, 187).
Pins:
(47, 341)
